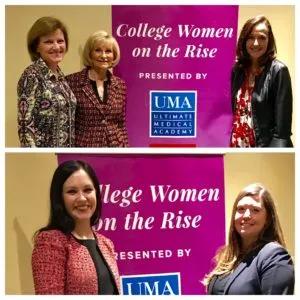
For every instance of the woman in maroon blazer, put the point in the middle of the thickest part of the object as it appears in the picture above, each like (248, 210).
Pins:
(68, 256)
(101, 96)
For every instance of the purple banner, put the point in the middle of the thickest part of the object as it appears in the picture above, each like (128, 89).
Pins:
(176, 61)
(165, 215)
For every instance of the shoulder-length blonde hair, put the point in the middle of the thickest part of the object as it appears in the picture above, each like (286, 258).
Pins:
(229, 256)
(103, 38)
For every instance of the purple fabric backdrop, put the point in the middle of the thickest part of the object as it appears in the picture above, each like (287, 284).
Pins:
(179, 172)
(131, 27)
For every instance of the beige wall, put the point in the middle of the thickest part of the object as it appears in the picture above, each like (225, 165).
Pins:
(27, 185)
(282, 19)
(276, 171)
(28, 179)
(81, 21)
(20, 18)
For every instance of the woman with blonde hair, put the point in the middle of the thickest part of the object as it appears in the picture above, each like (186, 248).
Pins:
(255, 261)
(101, 96)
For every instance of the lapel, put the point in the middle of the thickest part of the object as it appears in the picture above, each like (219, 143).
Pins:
(89, 92)
(104, 252)
(110, 260)
(112, 88)
(211, 285)
(231, 278)
(113, 81)
(234, 275)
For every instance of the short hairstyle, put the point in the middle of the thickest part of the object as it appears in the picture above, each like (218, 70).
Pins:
(229, 255)
(103, 38)
(41, 27)
(59, 218)
(243, 57)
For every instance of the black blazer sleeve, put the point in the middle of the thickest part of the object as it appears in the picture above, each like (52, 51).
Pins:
(283, 101)
(266, 271)
(276, 271)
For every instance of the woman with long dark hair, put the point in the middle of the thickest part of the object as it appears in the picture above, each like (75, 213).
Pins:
(69, 257)
(261, 90)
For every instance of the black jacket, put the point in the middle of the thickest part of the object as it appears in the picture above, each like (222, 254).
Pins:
(272, 102)
(266, 271)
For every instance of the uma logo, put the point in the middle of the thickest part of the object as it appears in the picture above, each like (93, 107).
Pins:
(173, 114)
(172, 102)
(151, 284)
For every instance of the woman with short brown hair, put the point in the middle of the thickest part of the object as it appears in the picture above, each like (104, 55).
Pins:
(46, 104)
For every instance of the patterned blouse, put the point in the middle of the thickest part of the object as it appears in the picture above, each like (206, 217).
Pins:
(243, 133)
(46, 108)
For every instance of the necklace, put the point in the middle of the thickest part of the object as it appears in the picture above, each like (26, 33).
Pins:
(93, 75)
(252, 73)
(82, 237)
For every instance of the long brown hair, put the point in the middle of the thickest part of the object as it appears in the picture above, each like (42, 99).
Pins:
(242, 56)
(228, 256)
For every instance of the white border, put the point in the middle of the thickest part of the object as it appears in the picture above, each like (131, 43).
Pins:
(150, 2)
(149, 150)
(188, 151)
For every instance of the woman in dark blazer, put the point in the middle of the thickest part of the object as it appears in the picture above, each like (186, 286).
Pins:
(255, 261)
(261, 90)
(101, 96)
(69, 257)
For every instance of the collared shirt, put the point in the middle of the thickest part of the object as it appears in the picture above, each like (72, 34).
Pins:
(46, 108)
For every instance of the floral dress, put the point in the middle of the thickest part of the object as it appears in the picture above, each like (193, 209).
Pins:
(46, 108)
(242, 132)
